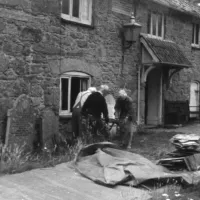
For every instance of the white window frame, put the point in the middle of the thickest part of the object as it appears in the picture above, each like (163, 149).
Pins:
(80, 19)
(151, 25)
(69, 76)
(194, 27)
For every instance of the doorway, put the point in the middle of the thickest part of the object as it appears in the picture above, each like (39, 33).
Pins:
(153, 98)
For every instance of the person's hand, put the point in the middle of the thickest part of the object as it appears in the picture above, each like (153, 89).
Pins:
(106, 120)
(84, 114)
(130, 118)
(116, 121)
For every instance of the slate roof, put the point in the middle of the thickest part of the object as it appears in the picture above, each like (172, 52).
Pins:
(167, 52)
(186, 6)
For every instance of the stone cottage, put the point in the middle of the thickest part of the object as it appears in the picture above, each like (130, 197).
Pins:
(52, 49)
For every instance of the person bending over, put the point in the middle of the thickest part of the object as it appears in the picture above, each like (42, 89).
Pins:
(94, 107)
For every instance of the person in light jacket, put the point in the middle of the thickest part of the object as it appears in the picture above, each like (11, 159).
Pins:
(125, 113)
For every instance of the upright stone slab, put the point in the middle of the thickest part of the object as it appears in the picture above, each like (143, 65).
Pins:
(20, 128)
(110, 100)
(49, 128)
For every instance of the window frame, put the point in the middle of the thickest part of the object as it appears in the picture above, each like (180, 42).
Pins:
(80, 20)
(157, 24)
(194, 29)
(69, 76)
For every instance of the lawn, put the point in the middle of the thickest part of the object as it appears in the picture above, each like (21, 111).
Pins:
(153, 145)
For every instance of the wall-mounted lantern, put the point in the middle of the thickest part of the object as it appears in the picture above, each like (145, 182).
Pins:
(130, 34)
(131, 31)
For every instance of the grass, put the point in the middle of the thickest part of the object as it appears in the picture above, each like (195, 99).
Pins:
(153, 145)
(16, 160)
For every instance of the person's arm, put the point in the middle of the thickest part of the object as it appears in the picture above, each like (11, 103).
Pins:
(130, 109)
(117, 108)
(105, 110)
(77, 99)
(85, 106)
(117, 105)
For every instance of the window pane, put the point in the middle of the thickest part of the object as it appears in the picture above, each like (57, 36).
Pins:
(197, 34)
(193, 33)
(84, 84)
(149, 23)
(75, 89)
(85, 9)
(65, 7)
(159, 25)
(64, 89)
(75, 11)
(154, 24)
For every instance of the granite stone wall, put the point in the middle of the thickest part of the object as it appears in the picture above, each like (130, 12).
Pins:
(36, 47)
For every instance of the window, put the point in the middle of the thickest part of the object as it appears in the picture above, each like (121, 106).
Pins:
(156, 24)
(71, 84)
(194, 100)
(195, 35)
(77, 10)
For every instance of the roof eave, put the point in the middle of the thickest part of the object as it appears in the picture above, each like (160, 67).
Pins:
(177, 9)
(175, 65)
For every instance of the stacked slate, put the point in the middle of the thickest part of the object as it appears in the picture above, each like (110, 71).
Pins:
(186, 142)
(174, 164)
(187, 154)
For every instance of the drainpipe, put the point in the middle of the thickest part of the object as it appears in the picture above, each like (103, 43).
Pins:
(138, 107)
(161, 98)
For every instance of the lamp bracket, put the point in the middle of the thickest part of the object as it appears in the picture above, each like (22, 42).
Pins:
(127, 45)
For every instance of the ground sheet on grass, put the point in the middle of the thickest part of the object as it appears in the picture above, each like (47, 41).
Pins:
(106, 164)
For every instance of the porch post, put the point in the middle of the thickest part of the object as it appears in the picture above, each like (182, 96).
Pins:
(161, 98)
(138, 107)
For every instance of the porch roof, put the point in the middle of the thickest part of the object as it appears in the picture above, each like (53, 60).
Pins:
(165, 52)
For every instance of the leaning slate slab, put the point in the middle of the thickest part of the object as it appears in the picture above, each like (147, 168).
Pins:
(20, 129)
(50, 128)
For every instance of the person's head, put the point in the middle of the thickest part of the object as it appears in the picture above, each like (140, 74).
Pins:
(92, 89)
(104, 89)
(122, 93)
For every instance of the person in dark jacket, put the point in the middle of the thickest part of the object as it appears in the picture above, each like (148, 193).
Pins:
(76, 112)
(96, 106)
(125, 113)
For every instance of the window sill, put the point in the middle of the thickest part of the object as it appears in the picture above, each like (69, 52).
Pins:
(156, 37)
(195, 46)
(65, 116)
(70, 21)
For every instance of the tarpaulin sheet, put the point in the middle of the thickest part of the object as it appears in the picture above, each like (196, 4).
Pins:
(106, 164)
